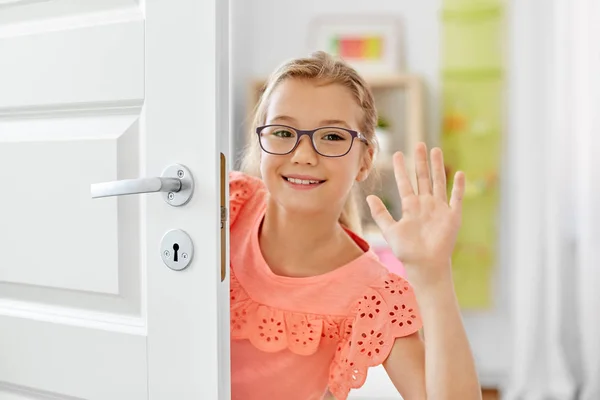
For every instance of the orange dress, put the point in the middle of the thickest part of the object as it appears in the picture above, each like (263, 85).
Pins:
(295, 338)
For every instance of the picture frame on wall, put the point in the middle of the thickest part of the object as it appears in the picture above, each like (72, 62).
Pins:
(372, 44)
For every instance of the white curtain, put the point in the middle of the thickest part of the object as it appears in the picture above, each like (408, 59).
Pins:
(554, 155)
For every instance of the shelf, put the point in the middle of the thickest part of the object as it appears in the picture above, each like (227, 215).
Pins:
(412, 82)
(392, 81)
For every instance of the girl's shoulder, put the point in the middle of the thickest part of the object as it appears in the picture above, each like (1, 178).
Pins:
(245, 191)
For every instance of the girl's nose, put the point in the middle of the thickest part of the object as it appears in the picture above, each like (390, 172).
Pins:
(304, 152)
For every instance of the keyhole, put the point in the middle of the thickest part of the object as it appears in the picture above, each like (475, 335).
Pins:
(175, 249)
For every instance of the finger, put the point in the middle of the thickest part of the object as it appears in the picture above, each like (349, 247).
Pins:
(422, 169)
(458, 191)
(379, 212)
(405, 188)
(438, 174)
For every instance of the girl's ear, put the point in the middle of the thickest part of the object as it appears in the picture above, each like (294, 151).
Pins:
(366, 164)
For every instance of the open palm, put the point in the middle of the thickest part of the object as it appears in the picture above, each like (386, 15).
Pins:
(424, 238)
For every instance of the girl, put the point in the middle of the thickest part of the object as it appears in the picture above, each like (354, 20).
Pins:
(311, 306)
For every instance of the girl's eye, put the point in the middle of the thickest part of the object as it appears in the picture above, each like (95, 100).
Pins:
(282, 134)
(332, 136)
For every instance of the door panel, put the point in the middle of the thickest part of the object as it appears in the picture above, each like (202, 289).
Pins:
(102, 91)
(98, 64)
(77, 260)
(87, 357)
(107, 151)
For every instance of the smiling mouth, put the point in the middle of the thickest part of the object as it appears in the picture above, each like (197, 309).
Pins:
(306, 182)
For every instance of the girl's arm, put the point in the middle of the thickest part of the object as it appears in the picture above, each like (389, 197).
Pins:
(423, 239)
(405, 366)
(443, 366)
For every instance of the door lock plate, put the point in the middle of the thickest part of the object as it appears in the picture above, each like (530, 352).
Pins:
(176, 249)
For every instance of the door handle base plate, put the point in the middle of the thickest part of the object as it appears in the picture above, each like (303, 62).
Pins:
(184, 195)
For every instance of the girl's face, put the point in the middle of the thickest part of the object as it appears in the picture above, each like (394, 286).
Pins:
(302, 104)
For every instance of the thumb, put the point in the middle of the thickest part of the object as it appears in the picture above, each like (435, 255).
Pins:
(379, 212)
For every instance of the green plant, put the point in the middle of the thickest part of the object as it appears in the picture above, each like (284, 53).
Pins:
(383, 123)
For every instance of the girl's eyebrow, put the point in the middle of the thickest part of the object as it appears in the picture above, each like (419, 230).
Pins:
(322, 123)
(335, 122)
(284, 118)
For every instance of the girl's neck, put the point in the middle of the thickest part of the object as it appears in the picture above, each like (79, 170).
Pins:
(295, 244)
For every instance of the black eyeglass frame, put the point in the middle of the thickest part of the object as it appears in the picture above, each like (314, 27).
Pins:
(310, 133)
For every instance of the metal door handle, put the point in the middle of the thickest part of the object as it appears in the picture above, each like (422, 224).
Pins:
(176, 184)
(135, 186)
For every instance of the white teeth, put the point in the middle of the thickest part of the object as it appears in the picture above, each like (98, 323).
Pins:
(301, 181)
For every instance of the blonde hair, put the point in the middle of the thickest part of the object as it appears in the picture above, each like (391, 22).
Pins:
(326, 69)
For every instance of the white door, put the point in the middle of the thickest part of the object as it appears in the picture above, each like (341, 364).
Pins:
(98, 91)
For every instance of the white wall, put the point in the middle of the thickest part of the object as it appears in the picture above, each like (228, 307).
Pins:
(266, 32)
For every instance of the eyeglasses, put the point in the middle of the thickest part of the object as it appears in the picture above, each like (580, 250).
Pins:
(327, 141)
